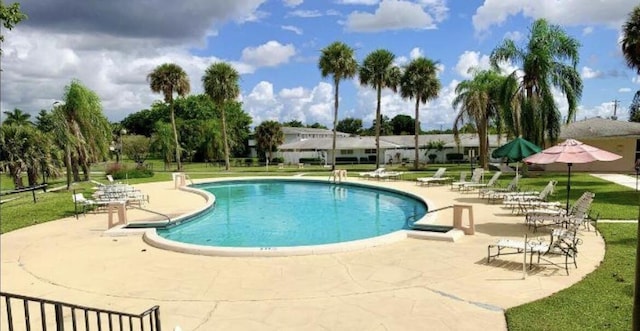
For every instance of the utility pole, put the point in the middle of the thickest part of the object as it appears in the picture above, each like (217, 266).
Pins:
(615, 109)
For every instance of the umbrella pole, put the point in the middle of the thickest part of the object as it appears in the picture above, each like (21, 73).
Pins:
(568, 186)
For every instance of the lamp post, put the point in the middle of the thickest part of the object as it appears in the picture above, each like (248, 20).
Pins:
(120, 144)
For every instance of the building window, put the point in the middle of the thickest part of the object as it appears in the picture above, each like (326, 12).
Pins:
(346, 152)
(369, 151)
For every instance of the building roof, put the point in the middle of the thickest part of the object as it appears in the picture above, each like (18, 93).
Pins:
(388, 142)
(301, 130)
(341, 143)
(599, 128)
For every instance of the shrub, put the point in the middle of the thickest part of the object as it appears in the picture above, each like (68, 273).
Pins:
(119, 171)
(310, 160)
(277, 160)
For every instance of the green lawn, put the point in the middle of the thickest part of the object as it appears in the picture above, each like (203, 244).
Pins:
(602, 300)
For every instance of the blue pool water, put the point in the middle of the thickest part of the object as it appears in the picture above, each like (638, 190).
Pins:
(276, 213)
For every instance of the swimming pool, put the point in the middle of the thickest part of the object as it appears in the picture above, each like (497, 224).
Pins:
(270, 213)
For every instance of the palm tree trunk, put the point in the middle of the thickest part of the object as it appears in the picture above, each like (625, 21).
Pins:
(74, 169)
(175, 136)
(378, 126)
(416, 162)
(227, 166)
(32, 176)
(67, 164)
(14, 170)
(335, 124)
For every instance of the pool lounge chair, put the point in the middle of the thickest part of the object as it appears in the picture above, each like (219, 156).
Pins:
(563, 243)
(558, 216)
(490, 183)
(436, 178)
(85, 203)
(372, 174)
(523, 201)
(388, 175)
(492, 193)
(475, 178)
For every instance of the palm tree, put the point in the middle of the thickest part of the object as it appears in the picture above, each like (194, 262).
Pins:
(162, 142)
(269, 136)
(169, 78)
(479, 103)
(378, 71)
(220, 82)
(631, 39)
(548, 60)
(419, 81)
(338, 61)
(17, 117)
(631, 51)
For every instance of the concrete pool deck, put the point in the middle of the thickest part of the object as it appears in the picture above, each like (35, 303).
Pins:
(411, 284)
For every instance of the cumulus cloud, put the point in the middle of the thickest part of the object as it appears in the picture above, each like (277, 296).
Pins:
(565, 12)
(297, 103)
(587, 30)
(134, 19)
(397, 15)
(588, 73)
(305, 13)
(358, 2)
(471, 59)
(604, 110)
(292, 3)
(270, 54)
(292, 28)
(624, 90)
(415, 53)
(513, 35)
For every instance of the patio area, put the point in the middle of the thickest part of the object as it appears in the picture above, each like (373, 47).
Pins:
(411, 284)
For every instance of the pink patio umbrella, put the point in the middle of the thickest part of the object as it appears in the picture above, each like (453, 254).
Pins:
(571, 151)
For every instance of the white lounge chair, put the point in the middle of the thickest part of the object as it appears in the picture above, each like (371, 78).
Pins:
(523, 201)
(475, 178)
(436, 178)
(492, 193)
(558, 216)
(563, 242)
(85, 203)
(490, 183)
(372, 174)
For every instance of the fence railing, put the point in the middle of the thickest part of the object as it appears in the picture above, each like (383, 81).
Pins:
(19, 312)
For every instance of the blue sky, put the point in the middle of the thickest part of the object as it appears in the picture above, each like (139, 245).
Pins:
(275, 45)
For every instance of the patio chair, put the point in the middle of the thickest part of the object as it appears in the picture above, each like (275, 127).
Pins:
(505, 246)
(472, 186)
(389, 175)
(79, 199)
(551, 216)
(528, 195)
(492, 193)
(461, 179)
(523, 201)
(372, 174)
(475, 178)
(563, 243)
(436, 178)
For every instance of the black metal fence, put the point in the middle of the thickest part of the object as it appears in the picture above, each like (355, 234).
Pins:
(19, 312)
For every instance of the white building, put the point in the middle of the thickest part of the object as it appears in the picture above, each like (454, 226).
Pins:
(394, 149)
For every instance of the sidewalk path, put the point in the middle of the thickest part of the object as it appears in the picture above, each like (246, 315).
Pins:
(620, 179)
